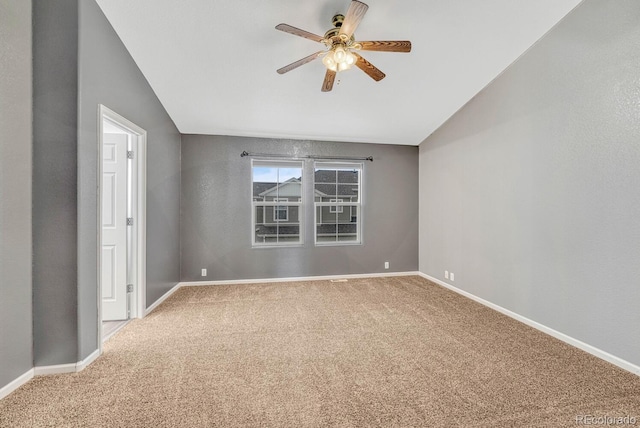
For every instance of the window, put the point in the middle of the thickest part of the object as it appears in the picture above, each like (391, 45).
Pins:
(277, 203)
(338, 186)
(335, 208)
(281, 211)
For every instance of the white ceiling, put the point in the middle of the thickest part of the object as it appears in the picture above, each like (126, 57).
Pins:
(213, 63)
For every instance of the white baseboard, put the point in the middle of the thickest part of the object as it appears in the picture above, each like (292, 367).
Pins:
(55, 369)
(17, 383)
(623, 364)
(81, 365)
(299, 278)
(164, 297)
(113, 333)
(66, 368)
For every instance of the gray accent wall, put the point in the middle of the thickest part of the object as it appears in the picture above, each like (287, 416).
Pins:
(16, 354)
(530, 194)
(109, 76)
(216, 212)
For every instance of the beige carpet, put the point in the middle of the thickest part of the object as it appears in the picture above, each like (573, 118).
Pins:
(368, 352)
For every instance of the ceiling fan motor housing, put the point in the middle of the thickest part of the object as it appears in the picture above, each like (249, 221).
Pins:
(334, 33)
(337, 20)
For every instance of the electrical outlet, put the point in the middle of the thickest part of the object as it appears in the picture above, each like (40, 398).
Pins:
(204, 272)
(446, 274)
(451, 277)
(386, 265)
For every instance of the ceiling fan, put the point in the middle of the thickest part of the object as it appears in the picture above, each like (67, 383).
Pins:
(341, 52)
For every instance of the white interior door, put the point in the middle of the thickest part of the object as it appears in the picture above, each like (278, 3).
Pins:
(114, 227)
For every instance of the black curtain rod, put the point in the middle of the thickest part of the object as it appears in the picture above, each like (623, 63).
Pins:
(271, 155)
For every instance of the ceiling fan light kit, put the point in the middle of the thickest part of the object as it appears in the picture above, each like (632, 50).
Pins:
(341, 47)
(339, 59)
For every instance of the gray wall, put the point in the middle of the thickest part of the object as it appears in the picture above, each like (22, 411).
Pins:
(108, 75)
(80, 62)
(216, 212)
(55, 64)
(16, 354)
(530, 194)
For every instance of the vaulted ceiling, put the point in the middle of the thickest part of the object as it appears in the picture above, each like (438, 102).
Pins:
(213, 63)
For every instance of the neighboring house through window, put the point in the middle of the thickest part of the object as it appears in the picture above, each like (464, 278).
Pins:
(338, 185)
(277, 203)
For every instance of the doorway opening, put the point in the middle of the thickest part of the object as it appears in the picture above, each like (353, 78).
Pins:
(122, 148)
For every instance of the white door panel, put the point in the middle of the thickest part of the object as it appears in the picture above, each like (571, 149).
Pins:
(114, 227)
(108, 272)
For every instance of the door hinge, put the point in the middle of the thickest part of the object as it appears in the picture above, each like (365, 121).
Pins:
(129, 221)
(129, 288)
(130, 154)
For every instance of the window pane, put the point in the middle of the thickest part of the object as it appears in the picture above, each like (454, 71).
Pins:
(348, 192)
(326, 232)
(338, 183)
(337, 226)
(348, 176)
(286, 174)
(348, 232)
(264, 179)
(326, 215)
(265, 229)
(274, 182)
(290, 183)
(259, 216)
(326, 176)
(276, 224)
(294, 214)
(325, 190)
(332, 226)
(288, 233)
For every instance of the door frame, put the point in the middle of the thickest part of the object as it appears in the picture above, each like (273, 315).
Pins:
(138, 297)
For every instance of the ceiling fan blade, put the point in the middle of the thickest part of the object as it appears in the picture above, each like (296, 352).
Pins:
(386, 46)
(369, 68)
(352, 19)
(299, 62)
(329, 77)
(298, 32)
